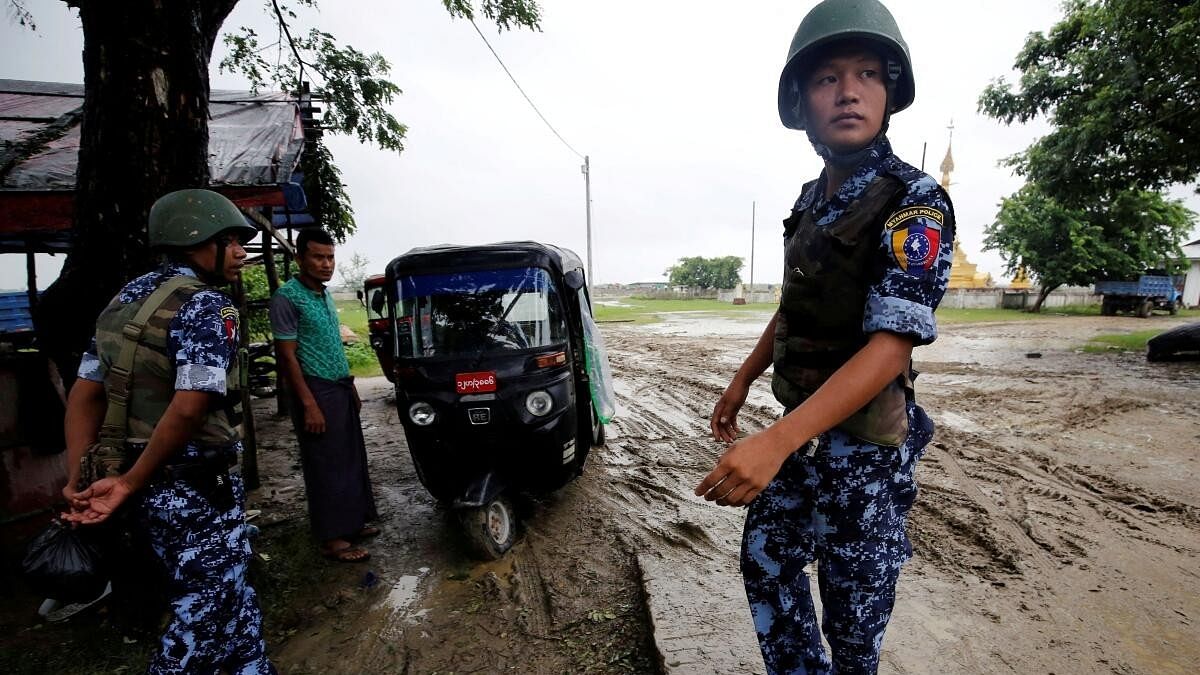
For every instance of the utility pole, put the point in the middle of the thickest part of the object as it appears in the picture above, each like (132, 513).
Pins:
(587, 187)
(924, 147)
(753, 208)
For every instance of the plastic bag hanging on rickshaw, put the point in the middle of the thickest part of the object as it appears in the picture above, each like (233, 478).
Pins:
(599, 374)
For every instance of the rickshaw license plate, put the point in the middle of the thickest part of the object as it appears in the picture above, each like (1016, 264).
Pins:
(475, 383)
(479, 415)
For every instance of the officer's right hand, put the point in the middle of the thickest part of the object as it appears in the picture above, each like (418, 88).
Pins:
(101, 499)
(724, 416)
(314, 419)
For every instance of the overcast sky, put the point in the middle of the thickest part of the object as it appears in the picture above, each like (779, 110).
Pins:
(674, 102)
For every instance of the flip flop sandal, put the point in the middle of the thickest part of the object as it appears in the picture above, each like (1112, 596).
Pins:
(367, 532)
(347, 554)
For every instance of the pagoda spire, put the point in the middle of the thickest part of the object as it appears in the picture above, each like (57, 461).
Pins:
(963, 273)
(948, 162)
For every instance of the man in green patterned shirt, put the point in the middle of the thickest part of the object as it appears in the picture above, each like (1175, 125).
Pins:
(324, 403)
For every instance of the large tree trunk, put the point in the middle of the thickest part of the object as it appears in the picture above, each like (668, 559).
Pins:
(144, 133)
(1044, 293)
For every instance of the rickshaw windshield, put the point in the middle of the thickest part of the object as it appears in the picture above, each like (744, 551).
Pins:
(376, 303)
(475, 313)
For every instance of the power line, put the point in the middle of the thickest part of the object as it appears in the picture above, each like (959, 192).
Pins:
(518, 85)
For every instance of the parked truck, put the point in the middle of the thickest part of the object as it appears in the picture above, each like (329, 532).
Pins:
(1150, 292)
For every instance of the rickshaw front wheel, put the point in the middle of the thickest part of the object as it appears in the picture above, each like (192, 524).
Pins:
(491, 529)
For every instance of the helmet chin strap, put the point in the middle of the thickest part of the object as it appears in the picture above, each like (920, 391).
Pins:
(215, 276)
(849, 160)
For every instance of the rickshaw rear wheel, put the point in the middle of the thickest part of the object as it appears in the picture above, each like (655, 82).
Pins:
(491, 529)
(597, 427)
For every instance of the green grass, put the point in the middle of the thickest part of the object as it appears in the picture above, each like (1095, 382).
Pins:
(353, 315)
(362, 359)
(947, 315)
(645, 310)
(1126, 342)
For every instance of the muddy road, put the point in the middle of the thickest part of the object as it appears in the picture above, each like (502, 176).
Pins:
(1057, 529)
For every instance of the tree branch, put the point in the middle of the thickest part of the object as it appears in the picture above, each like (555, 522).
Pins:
(291, 41)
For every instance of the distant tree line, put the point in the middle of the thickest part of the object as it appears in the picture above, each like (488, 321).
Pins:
(697, 272)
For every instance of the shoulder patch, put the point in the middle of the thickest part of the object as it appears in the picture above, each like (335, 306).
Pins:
(914, 234)
(903, 215)
(229, 316)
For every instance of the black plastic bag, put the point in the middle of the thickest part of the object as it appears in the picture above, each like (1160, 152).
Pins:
(65, 563)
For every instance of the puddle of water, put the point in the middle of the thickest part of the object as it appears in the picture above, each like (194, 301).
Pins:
(956, 421)
(623, 391)
(404, 593)
(704, 323)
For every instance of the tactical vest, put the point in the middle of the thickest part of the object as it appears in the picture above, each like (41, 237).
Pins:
(827, 276)
(149, 384)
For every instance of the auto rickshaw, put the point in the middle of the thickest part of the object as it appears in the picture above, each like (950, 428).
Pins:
(502, 381)
(374, 299)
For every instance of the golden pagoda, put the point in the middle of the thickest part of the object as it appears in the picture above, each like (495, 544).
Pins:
(963, 273)
(1021, 281)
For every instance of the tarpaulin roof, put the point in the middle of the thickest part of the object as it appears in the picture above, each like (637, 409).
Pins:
(255, 141)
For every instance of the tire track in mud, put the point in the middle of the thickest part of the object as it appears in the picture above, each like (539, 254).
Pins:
(659, 448)
(660, 443)
(1027, 510)
(1039, 525)
(1040, 545)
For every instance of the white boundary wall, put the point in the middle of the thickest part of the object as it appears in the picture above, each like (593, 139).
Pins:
(982, 298)
(972, 298)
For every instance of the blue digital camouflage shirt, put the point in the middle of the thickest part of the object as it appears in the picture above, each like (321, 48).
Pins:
(202, 342)
(917, 242)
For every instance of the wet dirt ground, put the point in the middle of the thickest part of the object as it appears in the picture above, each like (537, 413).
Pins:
(1057, 529)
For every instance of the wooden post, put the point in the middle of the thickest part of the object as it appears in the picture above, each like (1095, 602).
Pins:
(281, 401)
(31, 277)
(249, 437)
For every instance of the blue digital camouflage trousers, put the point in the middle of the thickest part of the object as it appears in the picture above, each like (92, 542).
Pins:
(216, 624)
(844, 507)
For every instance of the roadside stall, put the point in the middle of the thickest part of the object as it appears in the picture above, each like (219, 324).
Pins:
(256, 141)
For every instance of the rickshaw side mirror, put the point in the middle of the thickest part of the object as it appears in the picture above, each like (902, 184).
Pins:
(573, 279)
(377, 302)
(359, 293)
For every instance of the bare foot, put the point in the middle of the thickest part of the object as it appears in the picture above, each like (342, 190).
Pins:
(341, 550)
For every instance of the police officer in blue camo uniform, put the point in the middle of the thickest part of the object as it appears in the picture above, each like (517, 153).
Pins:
(867, 253)
(171, 466)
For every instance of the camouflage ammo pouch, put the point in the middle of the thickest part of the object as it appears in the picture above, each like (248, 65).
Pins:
(99, 461)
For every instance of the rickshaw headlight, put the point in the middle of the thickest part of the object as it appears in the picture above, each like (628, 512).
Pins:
(539, 403)
(422, 414)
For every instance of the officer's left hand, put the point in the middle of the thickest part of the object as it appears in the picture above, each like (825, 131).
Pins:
(74, 501)
(745, 470)
(101, 500)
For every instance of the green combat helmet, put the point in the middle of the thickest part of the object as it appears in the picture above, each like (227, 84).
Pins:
(834, 21)
(186, 218)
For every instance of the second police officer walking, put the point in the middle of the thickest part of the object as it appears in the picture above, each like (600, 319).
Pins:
(152, 422)
(867, 253)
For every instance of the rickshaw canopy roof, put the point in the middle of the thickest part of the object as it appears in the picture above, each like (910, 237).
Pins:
(449, 257)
